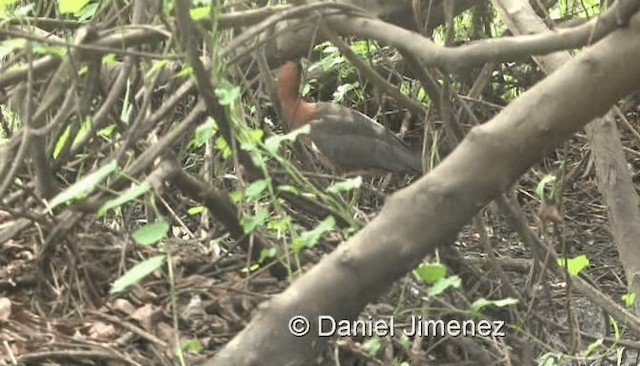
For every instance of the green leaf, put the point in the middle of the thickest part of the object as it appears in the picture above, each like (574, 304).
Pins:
(156, 66)
(594, 346)
(87, 12)
(187, 71)
(310, 238)
(543, 183)
(442, 285)
(193, 345)
(430, 273)
(109, 59)
(43, 49)
(267, 253)
(629, 299)
(151, 233)
(85, 127)
(273, 143)
(71, 6)
(227, 92)
(616, 327)
(549, 359)
(107, 132)
(204, 132)
(199, 12)
(137, 273)
(129, 195)
(235, 196)
(574, 265)
(221, 145)
(346, 185)
(279, 224)
(250, 139)
(195, 210)
(372, 345)
(61, 141)
(255, 189)
(250, 223)
(6, 4)
(338, 95)
(10, 45)
(84, 186)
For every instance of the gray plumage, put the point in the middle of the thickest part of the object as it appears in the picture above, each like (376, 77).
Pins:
(351, 140)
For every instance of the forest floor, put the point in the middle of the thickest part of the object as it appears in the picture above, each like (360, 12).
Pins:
(61, 313)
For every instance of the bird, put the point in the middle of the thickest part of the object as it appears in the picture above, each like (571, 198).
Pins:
(344, 139)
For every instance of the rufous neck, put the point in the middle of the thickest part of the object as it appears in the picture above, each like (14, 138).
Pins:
(289, 83)
(296, 111)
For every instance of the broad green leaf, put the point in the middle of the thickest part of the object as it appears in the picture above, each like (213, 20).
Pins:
(151, 233)
(236, 196)
(311, 238)
(227, 92)
(629, 299)
(250, 139)
(221, 145)
(372, 345)
(574, 265)
(109, 59)
(430, 273)
(129, 195)
(267, 253)
(255, 189)
(71, 6)
(137, 273)
(443, 284)
(84, 186)
(250, 223)
(273, 143)
(199, 12)
(87, 12)
(193, 345)
(204, 132)
(279, 224)
(346, 185)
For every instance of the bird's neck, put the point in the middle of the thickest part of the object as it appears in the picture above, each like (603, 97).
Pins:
(297, 112)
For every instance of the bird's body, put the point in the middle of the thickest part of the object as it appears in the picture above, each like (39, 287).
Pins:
(345, 138)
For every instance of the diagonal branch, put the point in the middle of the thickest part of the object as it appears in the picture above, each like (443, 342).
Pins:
(435, 208)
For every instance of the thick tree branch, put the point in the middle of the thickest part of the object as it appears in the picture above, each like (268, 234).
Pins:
(435, 208)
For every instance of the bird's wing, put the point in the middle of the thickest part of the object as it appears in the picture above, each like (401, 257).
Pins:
(352, 140)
